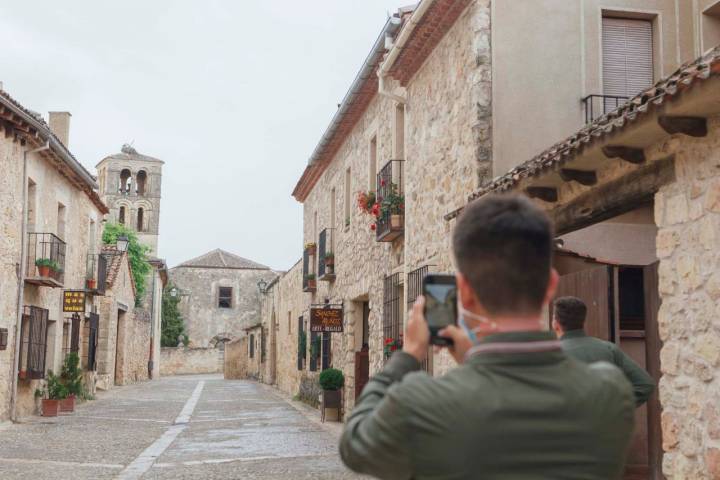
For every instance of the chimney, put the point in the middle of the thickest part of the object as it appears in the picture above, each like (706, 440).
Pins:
(60, 126)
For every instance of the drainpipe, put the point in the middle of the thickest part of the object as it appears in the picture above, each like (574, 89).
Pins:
(21, 279)
(397, 47)
(152, 326)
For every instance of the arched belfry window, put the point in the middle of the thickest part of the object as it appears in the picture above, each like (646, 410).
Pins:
(125, 181)
(141, 181)
(121, 215)
(140, 219)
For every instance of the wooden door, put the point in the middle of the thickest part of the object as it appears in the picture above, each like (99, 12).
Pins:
(594, 287)
(362, 370)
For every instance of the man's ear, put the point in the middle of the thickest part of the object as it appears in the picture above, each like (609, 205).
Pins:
(466, 292)
(556, 327)
(552, 286)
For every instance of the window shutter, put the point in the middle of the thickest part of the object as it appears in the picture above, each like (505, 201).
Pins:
(627, 56)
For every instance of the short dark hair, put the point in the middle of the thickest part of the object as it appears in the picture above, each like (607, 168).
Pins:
(570, 312)
(503, 246)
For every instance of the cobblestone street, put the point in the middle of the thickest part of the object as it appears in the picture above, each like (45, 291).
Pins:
(176, 427)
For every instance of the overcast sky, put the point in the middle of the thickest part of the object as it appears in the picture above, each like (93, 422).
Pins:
(233, 95)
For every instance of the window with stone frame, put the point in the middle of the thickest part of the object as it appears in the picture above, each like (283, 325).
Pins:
(252, 345)
(225, 297)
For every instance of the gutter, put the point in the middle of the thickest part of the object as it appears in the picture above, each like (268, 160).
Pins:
(366, 71)
(55, 144)
(397, 48)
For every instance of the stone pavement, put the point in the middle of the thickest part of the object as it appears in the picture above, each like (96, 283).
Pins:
(198, 426)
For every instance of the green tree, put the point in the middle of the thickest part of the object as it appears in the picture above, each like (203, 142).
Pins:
(137, 254)
(173, 325)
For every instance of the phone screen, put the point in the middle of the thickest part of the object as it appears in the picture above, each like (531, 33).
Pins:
(440, 304)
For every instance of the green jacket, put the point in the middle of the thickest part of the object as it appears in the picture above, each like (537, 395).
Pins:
(589, 349)
(518, 408)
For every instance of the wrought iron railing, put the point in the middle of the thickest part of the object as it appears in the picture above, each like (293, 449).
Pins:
(33, 342)
(45, 260)
(392, 314)
(391, 220)
(598, 105)
(96, 273)
(309, 281)
(326, 255)
(414, 290)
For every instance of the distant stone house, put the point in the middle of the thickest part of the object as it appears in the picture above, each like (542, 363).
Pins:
(220, 298)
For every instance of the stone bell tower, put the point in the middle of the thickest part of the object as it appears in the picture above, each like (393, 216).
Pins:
(130, 185)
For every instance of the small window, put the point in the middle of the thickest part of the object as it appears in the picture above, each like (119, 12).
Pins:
(121, 215)
(225, 297)
(3, 338)
(140, 219)
(372, 164)
(399, 137)
(125, 181)
(141, 181)
(348, 213)
(252, 345)
(61, 220)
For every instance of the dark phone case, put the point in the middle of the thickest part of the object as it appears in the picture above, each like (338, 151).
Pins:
(434, 338)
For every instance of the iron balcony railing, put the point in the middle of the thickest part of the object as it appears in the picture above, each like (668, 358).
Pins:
(599, 105)
(326, 255)
(45, 260)
(392, 320)
(96, 273)
(391, 220)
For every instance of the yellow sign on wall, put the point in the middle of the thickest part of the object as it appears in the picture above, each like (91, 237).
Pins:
(74, 301)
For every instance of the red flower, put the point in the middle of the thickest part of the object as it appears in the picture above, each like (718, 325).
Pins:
(382, 182)
(373, 227)
(388, 341)
(375, 210)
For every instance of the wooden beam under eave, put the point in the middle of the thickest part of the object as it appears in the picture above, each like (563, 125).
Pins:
(629, 154)
(692, 126)
(546, 194)
(583, 177)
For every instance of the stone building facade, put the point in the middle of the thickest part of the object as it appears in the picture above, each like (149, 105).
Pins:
(450, 99)
(51, 215)
(131, 186)
(219, 300)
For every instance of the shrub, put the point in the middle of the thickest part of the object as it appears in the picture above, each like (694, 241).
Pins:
(71, 375)
(55, 389)
(332, 379)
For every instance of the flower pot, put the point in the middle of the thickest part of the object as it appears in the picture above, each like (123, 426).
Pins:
(311, 250)
(330, 399)
(67, 405)
(311, 283)
(50, 407)
(22, 375)
(329, 262)
(90, 283)
(44, 270)
(397, 221)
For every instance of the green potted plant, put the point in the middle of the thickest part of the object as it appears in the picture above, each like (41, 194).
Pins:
(393, 207)
(71, 378)
(310, 248)
(331, 381)
(44, 266)
(310, 281)
(329, 259)
(56, 391)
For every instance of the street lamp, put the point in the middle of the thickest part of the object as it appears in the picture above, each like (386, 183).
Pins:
(121, 243)
(173, 292)
(262, 285)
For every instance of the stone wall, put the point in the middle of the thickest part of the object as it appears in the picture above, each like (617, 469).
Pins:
(687, 213)
(236, 359)
(205, 322)
(134, 345)
(51, 189)
(187, 361)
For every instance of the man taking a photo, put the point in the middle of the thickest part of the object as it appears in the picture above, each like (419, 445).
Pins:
(569, 325)
(516, 407)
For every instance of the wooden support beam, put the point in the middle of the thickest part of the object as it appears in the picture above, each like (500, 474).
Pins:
(547, 194)
(692, 126)
(614, 198)
(629, 154)
(583, 177)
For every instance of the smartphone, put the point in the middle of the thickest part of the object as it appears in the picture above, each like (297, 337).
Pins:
(440, 293)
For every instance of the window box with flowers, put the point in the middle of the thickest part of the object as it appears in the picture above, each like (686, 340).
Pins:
(310, 284)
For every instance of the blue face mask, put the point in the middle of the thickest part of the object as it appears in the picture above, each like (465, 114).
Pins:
(462, 313)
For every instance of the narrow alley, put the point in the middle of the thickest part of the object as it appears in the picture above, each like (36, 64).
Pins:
(197, 426)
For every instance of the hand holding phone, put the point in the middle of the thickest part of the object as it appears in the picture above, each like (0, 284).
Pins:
(440, 291)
